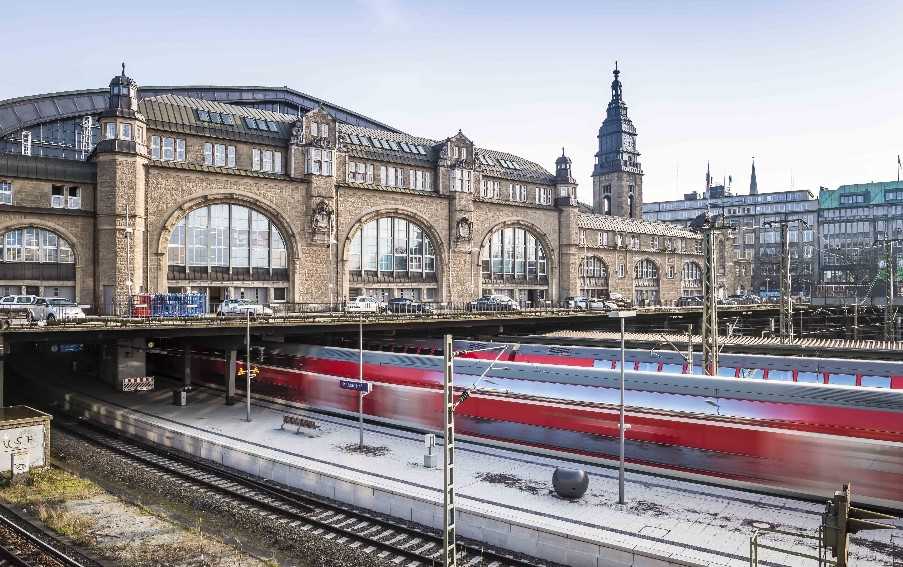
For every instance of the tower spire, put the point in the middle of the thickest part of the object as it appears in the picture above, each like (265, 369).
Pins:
(753, 184)
(708, 177)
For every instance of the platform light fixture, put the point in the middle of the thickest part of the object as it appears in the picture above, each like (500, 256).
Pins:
(622, 315)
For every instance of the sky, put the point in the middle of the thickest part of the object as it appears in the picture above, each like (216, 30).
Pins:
(812, 90)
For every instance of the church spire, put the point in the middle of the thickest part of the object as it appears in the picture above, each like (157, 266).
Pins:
(753, 184)
(708, 177)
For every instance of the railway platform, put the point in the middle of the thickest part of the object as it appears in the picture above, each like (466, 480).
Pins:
(505, 497)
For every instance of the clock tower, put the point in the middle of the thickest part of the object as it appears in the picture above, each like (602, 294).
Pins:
(618, 175)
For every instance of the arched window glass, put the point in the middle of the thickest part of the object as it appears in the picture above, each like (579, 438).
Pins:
(692, 274)
(392, 245)
(513, 252)
(36, 245)
(594, 267)
(227, 236)
(630, 205)
(606, 205)
(645, 270)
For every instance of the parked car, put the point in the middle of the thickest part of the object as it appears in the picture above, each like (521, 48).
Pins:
(242, 307)
(493, 303)
(590, 303)
(407, 305)
(28, 307)
(689, 301)
(365, 304)
(745, 299)
(62, 309)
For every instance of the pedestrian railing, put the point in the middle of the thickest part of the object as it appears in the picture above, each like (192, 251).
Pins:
(757, 546)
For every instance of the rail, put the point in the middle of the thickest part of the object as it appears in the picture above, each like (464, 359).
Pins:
(22, 547)
(394, 541)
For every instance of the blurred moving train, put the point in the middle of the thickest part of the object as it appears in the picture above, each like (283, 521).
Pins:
(779, 435)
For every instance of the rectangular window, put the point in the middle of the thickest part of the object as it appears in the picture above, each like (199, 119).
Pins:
(230, 156)
(111, 130)
(57, 197)
(277, 162)
(208, 154)
(319, 161)
(180, 149)
(255, 159)
(126, 131)
(517, 192)
(155, 147)
(460, 180)
(6, 193)
(267, 160)
(168, 149)
(544, 195)
(279, 294)
(219, 156)
(73, 198)
(324, 130)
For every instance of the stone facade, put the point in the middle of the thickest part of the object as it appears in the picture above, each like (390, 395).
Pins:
(187, 194)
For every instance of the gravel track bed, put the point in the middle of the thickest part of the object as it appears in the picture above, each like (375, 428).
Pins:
(307, 549)
(24, 549)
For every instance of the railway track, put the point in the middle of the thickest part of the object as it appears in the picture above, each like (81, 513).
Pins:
(386, 539)
(21, 545)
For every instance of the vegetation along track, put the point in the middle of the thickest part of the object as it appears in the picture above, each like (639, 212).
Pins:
(23, 545)
(384, 538)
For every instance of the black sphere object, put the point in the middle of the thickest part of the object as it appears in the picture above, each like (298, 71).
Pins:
(569, 483)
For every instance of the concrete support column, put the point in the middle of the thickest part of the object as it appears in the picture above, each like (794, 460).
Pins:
(186, 364)
(231, 358)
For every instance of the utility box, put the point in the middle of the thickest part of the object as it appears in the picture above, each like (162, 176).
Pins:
(24, 439)
(180, 397)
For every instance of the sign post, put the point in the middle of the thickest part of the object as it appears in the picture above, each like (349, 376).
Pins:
(449, 554)
(622, 315)
(360, 378)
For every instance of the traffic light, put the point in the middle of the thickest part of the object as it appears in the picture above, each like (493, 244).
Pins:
(840, 520)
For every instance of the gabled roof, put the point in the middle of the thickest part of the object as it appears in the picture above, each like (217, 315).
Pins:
(634, 226)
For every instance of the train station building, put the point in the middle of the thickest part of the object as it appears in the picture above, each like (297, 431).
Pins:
(277, 196)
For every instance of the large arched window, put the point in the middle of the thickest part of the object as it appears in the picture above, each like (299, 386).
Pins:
(392, 246)
(645, 282)
(513, 253)
(692, 274)
(594, 277)
(32, 254)
(606, 205)
(227, 242)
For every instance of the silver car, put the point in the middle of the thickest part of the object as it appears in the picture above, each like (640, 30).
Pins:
(62, 309)
(28, 307)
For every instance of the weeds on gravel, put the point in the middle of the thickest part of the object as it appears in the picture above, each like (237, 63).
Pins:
(79, 529)
(49, 485)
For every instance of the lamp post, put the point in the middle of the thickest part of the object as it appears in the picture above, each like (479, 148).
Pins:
(248, 365)
(622, 315)
(360, 378)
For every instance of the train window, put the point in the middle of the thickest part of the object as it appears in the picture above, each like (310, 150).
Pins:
(810, 377)
(780, 375)
(697, 370)
(601, 363)
(876, 381)
(752, 373)
(673, 368)
(649, 366)
(842, 379)
(727, 372)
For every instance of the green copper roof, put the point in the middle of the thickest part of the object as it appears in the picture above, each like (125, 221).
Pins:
(874, 194)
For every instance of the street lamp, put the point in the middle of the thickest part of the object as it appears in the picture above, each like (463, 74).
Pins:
(622, 315)
(248, 365)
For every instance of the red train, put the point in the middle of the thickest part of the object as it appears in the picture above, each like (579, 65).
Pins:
(782, 436)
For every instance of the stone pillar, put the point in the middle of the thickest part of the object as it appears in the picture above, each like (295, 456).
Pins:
(570, 249)
(231, 359)
(186, 364)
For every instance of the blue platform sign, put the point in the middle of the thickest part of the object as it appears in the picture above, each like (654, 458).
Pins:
(355, 385)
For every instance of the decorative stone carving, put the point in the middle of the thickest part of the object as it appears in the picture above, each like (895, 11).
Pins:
(321, 219)
(464, 229)
(297, 133)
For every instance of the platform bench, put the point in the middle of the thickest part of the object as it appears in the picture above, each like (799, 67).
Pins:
(298, 422)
